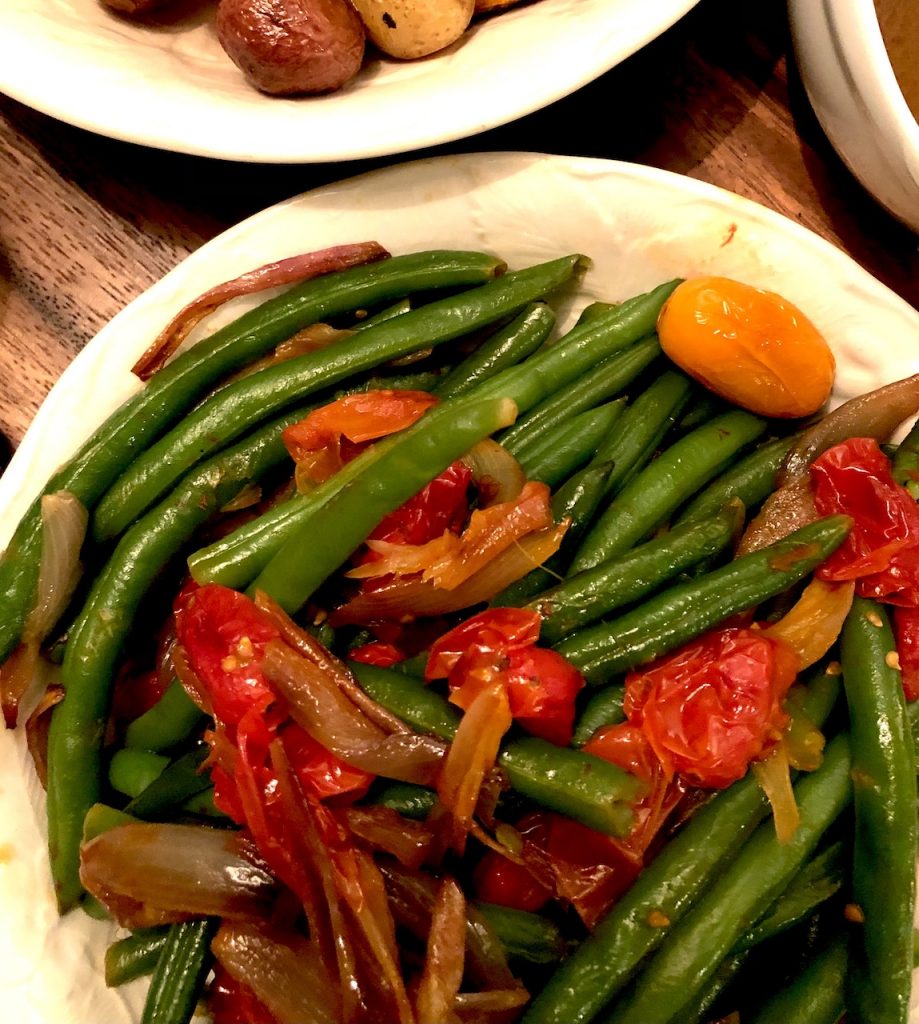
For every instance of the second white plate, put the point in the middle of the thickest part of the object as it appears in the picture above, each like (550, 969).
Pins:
(169, 84)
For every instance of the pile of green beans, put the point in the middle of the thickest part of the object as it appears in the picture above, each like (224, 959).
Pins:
(655, 480)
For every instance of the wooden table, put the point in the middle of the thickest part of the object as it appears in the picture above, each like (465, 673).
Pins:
(86, 223)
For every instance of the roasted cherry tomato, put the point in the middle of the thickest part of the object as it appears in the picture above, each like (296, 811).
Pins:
(906, 630)
(542, 687)
(714, 705)
(500, 644)
(502, 881)
(334, 434)
(232, 1002)
(442, 505)
(881, 551)
(377, 653)
(224, 634)
(495, 631)
(748, 345)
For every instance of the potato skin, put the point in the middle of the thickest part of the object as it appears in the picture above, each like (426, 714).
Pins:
(414, 28)
(290, 47)
(131, 7)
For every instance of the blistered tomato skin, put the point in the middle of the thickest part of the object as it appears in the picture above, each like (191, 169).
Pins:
(748, 345)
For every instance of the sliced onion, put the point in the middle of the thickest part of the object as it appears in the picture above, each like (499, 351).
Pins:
(37, 726)
(148, 874)
(876, 414)
(774, 777)
(63, 528)
(448, 561)
(318, 706)
(64, 520)
(374, 917)
(491, 1007)
(187, 676)
(311, 339)
(783, 512)
(443, 965)
(316, 851)
(498, 475)
(287, 271)
(412, 597)
(250, 495)
(285, 971)
(383, 829)
(812, 626)
(411, 896)
(313, 651)
(472, 754)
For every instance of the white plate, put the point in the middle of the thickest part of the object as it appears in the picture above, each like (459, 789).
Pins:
(169, 84)
(640, 226)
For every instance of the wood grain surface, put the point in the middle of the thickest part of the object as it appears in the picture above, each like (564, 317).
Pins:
(87, 223)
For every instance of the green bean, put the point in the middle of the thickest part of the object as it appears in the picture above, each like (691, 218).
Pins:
(96, 639)
(912, 714)
(557, 455)
(407, 799)
(525, 936)
(180, 973)
(642, 427)
(695, 946)
(416, 704)
(172, 719)
(131, 771)
(703, 408)
(556, 366)
(599, 384)
(236, 560)
(387, 313)
(178, 782)
(603, 708)
(95, 909)
(686, 610)
(655, 493)
(819, 879)
(521, 338)
(595, 310)
(576, 500)
(174, 389)
(906, 461)
(883, 862)
(301, 566)
(240, 405)
(591, 791)
(751, 480)
(134, 956)
(665, 890)
(697, 1010)
(572, 783)
(815, 996)
(102, 818)
(588, 596)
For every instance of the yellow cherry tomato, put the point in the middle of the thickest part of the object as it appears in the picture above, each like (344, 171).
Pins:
(748, 345)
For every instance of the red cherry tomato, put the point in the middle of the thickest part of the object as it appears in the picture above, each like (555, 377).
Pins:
(881, 551)
(542, 687)
(494, 632)
(224, 635)
(442, 505)
(377, 653)
(906, 629)
(712, 707)
(499, 880)
(232, 1002)
(500, 644)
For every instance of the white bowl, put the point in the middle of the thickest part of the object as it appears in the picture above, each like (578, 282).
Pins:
(851, 84)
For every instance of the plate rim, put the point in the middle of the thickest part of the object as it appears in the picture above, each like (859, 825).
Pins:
(187, 142)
